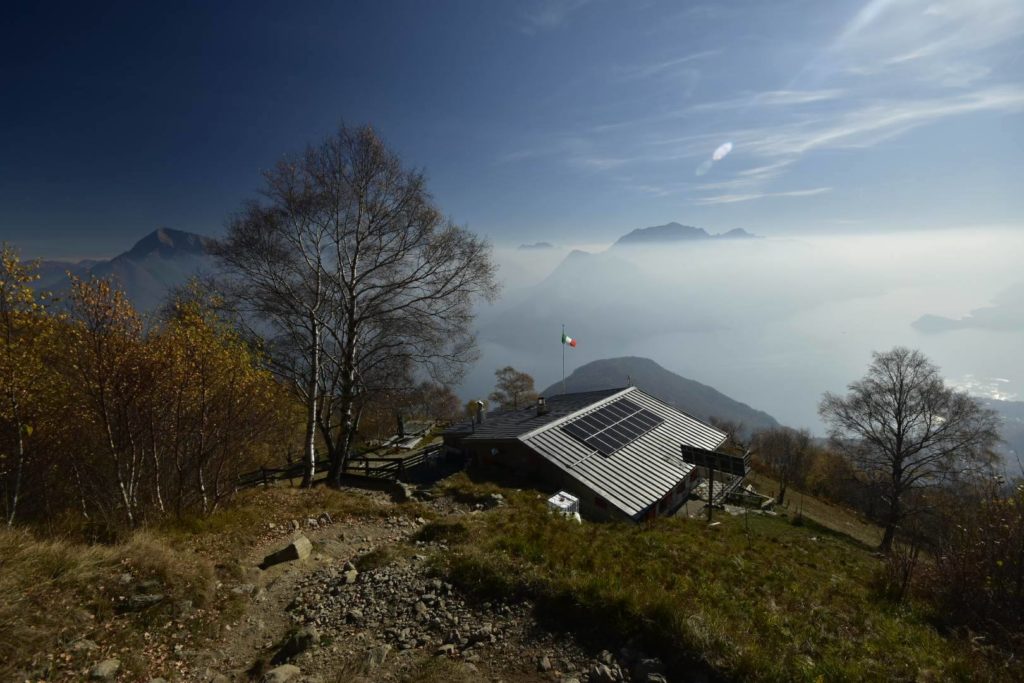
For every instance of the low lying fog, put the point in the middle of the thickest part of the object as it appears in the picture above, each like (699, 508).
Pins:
(770, 322)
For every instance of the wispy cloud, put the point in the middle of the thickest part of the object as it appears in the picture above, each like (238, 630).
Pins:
(661, 68)
(772, 98)
(895, 66)
(734, 198)
(547, 15)
(927, 39)
(866, 125)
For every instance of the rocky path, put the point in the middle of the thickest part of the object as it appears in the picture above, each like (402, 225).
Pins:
(363, 606)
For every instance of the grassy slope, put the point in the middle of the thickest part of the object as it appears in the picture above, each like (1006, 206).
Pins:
(782, 603)
(824, 513)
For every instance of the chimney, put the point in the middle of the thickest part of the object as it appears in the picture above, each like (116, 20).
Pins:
(542, 406)
(481, 412)
(401, 425)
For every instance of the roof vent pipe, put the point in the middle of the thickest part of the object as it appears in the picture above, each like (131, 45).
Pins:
(481, 412)
(542, 406)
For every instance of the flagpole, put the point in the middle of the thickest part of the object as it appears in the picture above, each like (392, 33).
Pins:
(563, 358)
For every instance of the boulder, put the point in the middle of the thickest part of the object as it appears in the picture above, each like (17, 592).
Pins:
(84, 645)
(281, 674)
(296, 643)
(137, 603)
(105, 670)
(299, 549)
(402, 492)
(494, 500)
(648, 669)
(600, 673)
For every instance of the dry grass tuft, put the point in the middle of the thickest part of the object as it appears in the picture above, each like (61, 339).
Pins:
(57, 592)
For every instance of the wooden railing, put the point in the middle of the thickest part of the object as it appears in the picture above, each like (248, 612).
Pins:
(357, 465)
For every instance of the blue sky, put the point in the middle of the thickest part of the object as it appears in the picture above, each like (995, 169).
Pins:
(571, 121)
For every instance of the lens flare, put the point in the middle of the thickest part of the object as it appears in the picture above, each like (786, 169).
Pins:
(722, 151)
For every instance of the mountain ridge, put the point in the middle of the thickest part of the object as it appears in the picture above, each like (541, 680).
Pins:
(676, 232)
(699, 400)
(156, 264)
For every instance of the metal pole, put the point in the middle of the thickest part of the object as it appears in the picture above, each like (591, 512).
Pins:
(711, 490)
(563, 357)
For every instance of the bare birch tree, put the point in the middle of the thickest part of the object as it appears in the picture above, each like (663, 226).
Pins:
(273, 259)
(358, 273)
(903, 428)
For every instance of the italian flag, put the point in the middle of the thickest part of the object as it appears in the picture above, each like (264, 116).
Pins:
(566, 339)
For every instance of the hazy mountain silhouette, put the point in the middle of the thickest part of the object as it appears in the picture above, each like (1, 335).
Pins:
(675, 232)
(690, 396)
(1005, 314)
(156, 264)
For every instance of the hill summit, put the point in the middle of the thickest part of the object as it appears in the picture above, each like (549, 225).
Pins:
(690, 396)
(168, 243)
(157, 264)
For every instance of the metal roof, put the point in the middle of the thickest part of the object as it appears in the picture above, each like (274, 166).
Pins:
(640, 473)
(513, 424)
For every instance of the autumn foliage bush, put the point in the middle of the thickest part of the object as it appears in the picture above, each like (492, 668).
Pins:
(115, 419)
(975, 580)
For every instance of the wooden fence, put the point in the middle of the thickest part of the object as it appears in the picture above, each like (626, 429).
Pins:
(390, 469)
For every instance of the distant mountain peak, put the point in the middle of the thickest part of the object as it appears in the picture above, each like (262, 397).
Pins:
(670, 232)
(536, 246)
(737, 233)
(676, 232)
(166, 242)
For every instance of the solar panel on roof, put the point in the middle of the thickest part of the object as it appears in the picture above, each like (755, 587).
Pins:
(613, 426)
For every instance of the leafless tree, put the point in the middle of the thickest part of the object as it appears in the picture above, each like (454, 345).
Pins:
(514, 389)
(274, 260)
(784, 452)
(902, 427)
(358, 274)
(734, 429)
